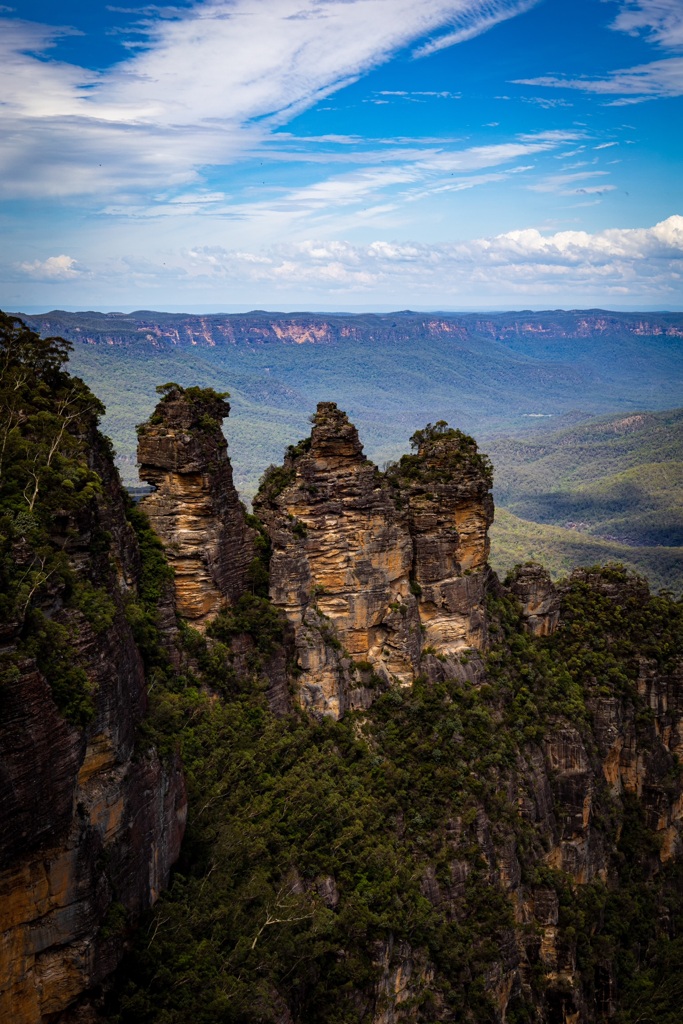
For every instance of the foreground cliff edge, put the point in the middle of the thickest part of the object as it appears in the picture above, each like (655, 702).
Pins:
(91, 819)
(415, 794)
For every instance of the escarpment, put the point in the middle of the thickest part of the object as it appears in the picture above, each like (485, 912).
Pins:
(90, 821)
(194, 508)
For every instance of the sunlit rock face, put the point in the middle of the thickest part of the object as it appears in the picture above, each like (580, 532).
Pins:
(195, 508)
(89, 825)
(340, 566)
(375, 573)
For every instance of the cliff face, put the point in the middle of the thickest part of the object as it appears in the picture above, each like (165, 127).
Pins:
(263, 328)
(446, 487)
(195, 509)
(340, 567)
(88, 828)
(90, 823)
(540, 600)
(375, 573)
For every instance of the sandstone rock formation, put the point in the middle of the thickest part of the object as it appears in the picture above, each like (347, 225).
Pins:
(340, 567)
(446, 485)
(383, 579)
(375, 572)
(539, 598)
(195, 508)
(89, 827)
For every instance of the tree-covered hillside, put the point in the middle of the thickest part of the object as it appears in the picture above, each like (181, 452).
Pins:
(609, 489)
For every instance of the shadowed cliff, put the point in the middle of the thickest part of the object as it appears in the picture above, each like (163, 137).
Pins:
(90, 820)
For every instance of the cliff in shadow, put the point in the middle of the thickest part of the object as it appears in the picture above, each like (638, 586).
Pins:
(91, 818)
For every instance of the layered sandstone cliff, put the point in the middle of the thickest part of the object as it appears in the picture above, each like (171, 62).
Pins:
(539, 598)
(90, 823)
(194, 508)
(376, 573)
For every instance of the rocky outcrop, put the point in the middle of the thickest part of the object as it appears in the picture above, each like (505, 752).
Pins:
(194, 508)
(375, 573)
(340, 567)
(446, 488)
(540, 599)
(90, 825)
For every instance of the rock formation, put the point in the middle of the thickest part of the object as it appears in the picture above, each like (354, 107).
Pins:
(540, 599)
(89, 826)
(446, 486)
(340, 567)
(194, 508)
(375, 572)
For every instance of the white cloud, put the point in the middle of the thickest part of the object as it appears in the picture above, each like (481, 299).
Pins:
(572, 184)
(529, 266)
(468, 23)
(525, 262)
(395, 177)
(658, 79)
(662, 23)
(210, 84)
(662, 20)
(54, 268)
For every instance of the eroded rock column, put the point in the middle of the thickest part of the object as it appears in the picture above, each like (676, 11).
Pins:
(195, 508)
(340, 567)
(445, 487)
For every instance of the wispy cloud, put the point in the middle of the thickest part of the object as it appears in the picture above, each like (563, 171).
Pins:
(571, 184)
(661, 21)
(211, 82)
(402, 176)
(658, 79)
(468, 23)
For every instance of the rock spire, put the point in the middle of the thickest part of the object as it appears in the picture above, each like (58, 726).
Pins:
(380, 575)
(195, 508)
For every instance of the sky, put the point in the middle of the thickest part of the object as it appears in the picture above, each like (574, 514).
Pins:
(341, 154)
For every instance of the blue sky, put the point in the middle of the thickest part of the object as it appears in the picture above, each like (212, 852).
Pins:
(341, 154)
